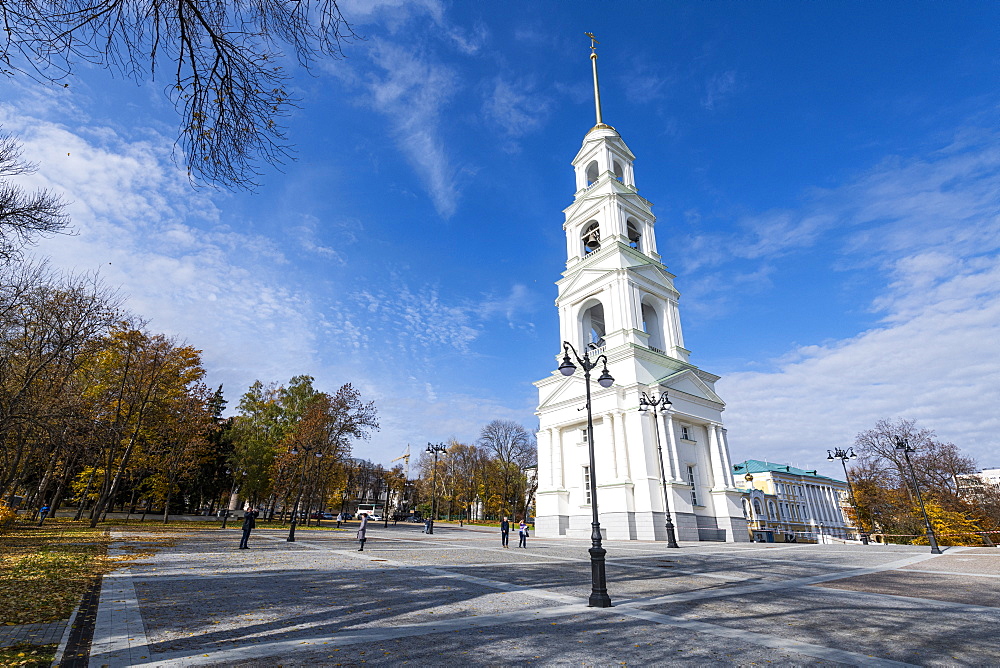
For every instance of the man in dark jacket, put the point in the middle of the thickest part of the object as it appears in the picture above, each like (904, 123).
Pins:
(505, 532)
(249, 522)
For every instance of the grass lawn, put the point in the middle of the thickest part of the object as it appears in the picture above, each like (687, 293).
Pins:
(44, 571)
(34, 656)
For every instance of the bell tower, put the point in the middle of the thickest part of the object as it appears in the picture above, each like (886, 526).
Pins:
(616, 297)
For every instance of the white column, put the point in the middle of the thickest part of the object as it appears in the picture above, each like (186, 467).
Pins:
(831, 499)
(810, 511)
(666, 431)
(558, 459)
(668, 423)
(545, 459)
(621, 447)
(604, 451)
(612, 430)
(715, 457)
(726, 457)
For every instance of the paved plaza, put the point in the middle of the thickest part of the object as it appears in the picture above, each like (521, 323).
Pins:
(458, 598)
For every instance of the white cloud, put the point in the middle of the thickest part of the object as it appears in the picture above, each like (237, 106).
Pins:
(718, 88)
(412, 93)
(927, 229)
(516, 108)
(139, 223)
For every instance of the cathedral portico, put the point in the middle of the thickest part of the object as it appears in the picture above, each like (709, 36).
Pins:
(616, 298)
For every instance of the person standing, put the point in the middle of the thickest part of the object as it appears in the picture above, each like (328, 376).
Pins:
(249, 523)
(361, 531)
(505, 532)
(522, 533)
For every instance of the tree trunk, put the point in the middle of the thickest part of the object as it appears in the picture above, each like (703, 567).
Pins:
(83, 497)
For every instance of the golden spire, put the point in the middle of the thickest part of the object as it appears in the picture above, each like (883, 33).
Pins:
(597, 90)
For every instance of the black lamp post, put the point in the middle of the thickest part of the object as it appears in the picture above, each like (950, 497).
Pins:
(599, 592)
(302, 481)
(661, 403)
(434, 448)
(385, 511)
(843, 456)
(903, 445)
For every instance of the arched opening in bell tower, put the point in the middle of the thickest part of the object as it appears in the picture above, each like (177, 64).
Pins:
(592, 321)
(593, 171)
(634, 235)
(591, 237)
(651, 324)
(619, 173)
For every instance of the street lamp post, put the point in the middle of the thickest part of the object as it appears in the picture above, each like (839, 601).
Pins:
(434, 448)
(599, 591)
(843, 456)
(661, 403)
(302, 481)
(903, 445)
(385, 511)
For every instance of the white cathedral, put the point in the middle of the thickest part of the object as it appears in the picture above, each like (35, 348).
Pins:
(617, 298)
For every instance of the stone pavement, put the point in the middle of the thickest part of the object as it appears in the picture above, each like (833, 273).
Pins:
(458, 598)
(32, 634)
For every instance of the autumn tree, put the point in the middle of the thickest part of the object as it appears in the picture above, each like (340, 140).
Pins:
(883, 484)
(50, 325)
(133, 375)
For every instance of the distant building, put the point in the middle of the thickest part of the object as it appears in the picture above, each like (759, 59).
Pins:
(782, 502)
(974, 486)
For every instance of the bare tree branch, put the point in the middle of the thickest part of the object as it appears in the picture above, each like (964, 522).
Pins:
(225, 62)
(24, 216)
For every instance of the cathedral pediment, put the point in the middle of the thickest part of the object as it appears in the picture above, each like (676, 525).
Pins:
(688, 382)
(558, 389)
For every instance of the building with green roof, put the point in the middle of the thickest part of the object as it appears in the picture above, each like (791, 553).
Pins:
(784, 503)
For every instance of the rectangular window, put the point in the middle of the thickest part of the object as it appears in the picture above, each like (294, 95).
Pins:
(585, 435)
(694, 488)
(586, 484)
(686, 433)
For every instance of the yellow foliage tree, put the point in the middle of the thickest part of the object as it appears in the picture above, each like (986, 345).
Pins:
(951, 527)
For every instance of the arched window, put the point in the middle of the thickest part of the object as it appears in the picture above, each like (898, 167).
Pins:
(619, 174)
(591, 237)
(634, 236)
(651, 325)
(592, 172)
(757, 509)
(770, 510)
(593, 325)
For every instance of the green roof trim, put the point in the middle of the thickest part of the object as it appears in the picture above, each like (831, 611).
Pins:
(757, 466)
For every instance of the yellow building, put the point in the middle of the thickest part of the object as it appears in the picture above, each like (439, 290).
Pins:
(783, 503)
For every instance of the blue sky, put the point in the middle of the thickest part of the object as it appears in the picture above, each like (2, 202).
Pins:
(824, 176)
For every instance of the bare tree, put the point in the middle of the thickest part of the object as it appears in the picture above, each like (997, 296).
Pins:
(24, 216)
(224, 62)
(513, 449)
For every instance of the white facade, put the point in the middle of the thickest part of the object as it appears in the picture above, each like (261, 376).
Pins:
(618, 296)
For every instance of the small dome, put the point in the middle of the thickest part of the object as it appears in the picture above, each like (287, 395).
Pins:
(602, 130)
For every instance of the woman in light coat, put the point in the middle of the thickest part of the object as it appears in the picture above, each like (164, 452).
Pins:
(361, 531)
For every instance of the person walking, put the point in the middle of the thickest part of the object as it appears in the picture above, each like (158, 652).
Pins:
(361, 531)
(522, 533)
(249, 522)
(505, 532)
